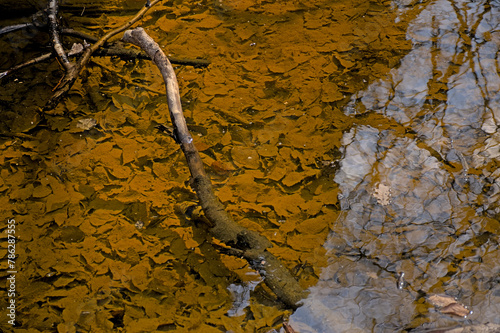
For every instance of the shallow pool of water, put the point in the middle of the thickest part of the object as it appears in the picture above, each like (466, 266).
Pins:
(359, 137)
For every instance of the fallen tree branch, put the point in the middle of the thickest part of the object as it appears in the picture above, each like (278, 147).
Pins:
(71, 75)
(108, 51)
(253, 246)
(31, 62)
(117, 50)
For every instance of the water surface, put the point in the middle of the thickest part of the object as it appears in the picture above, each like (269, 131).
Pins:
(359, 137)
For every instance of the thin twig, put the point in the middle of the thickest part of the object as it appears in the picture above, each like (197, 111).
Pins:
(15, 27)
(31, 62)
(79, 34)
(70, 76)
(39, 20)
(112, 50)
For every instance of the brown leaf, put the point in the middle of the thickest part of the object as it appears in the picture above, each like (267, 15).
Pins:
(41, 191)
(448, 305)
(292, 178)
(304, 242)
(57, 200)
(456, 309)
(441, 300)
(221, 167)
(245, 157)
(312, 226)
(288, 328)
(201, 146)
(331, 93)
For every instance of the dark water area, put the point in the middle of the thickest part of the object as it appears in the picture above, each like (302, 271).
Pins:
(361, 138)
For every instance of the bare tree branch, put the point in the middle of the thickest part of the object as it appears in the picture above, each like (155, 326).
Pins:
(253, 246)
(31, 62)
(15, 27)
(112, 50)
(71, 75)
(39, 20)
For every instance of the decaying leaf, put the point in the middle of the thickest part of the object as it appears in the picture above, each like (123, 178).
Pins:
(86, 123)
(245, 157)
(449, 305)
(383, 194)
(456, 309)
(75, 49)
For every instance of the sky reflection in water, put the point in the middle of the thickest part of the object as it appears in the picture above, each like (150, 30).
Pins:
(424, 204)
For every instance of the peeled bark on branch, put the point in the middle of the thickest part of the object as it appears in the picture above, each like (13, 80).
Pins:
(253, 246)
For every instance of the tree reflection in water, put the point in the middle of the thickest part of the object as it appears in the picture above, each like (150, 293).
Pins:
(438, 221)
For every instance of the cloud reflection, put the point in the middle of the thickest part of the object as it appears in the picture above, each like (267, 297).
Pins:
(442, 183)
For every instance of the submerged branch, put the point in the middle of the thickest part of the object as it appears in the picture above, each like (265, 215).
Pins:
(28, 63)
(39, 20)
(252, 245)
(116, 49)
(15, 27)
(108, 51)
(71, 75)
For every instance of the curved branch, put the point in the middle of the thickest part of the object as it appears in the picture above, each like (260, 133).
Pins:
(253, 246)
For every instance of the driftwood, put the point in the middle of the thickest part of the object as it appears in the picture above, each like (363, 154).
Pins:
(251, 245)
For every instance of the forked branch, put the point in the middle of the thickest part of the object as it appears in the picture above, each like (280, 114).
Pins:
(72, 73)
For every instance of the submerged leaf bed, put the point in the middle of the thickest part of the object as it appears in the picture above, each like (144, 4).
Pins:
(99, 193)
